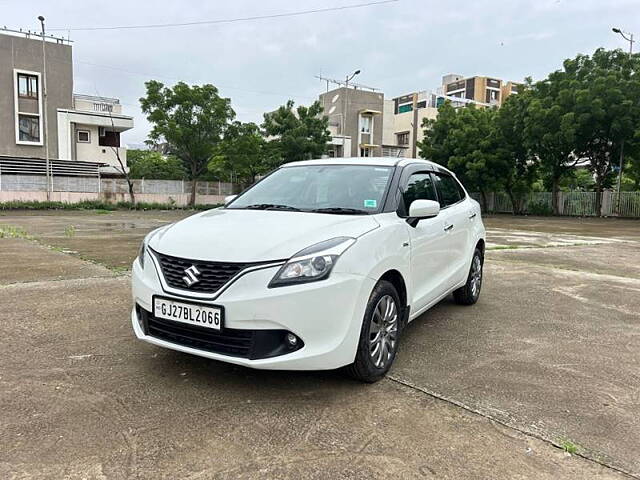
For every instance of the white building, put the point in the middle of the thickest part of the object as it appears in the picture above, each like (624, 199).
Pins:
(91, 131)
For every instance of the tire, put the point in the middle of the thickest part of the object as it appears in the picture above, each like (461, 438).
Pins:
(470, 292)
(383, 308)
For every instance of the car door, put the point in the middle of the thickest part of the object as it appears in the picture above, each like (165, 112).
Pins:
(455, 215)
(427, 240)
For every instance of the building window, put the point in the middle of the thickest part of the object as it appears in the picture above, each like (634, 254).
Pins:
(29, 128)
(365, 124)
(403, 138)
(107, 138)
(84, 136)
(493, 96)
(395, 152)
(405, 108)
(365, 152)
(27, 85)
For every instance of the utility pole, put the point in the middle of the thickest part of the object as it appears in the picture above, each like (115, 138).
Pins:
(629, 38)
(344, 110)
(45, 123)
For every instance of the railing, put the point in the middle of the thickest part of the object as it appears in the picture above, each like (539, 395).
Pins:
(583, 204)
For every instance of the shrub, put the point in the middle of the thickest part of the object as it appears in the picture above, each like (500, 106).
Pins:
(539, 208)
(98, 205)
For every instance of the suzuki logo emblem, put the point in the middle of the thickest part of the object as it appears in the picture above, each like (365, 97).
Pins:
(191, 276)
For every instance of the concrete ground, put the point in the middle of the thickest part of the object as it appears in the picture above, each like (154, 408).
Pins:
(547, 358)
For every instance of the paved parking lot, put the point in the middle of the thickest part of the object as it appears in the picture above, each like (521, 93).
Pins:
(549, 357)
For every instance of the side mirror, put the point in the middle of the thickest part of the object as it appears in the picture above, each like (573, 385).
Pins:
(228, 199)
(421, 209)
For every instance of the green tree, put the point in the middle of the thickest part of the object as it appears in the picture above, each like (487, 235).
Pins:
(299, 134)
(550, 130)
(632, 174)
(153, 165)
(516, 167)
(606, 89)
(463, 140)
(243, 155)
(581, 180)
(192, 120)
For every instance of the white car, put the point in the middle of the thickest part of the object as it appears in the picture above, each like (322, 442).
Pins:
(317, 266)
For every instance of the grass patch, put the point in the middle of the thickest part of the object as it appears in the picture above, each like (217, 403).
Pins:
(9, 231)
(99, 206)
(569, 447)
(69, 231)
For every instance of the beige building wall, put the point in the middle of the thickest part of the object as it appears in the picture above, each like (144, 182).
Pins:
(21, 53)
(478, 88)
(408, 123)
(345, 108)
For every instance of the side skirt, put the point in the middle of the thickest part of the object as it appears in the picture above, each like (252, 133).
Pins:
(416, 314)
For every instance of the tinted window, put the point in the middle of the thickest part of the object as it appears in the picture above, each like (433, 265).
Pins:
(461, 191)
(419, 187)
(448, 189)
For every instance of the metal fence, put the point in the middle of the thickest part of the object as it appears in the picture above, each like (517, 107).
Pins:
(583, 204)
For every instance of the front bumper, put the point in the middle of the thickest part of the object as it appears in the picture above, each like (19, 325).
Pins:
(326, 316)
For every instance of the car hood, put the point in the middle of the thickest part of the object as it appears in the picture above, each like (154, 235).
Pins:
(228, 235)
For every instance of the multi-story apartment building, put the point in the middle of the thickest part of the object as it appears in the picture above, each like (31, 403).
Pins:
(480, 90)
(79, 127)
(403, 120)
(355, 121)
(362, 123)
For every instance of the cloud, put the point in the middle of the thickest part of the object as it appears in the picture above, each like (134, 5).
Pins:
(400, 47)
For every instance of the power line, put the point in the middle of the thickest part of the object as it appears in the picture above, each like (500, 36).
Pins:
(176, 79)
(227, 20)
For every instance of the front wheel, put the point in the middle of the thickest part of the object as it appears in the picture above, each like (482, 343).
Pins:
(379, 335)
(470, 292)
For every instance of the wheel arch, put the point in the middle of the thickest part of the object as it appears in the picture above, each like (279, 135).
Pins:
(481, 245)
(397, 280)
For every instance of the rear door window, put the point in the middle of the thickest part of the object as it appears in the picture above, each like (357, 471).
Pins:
(449, 192)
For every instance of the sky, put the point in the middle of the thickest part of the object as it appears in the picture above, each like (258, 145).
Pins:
(400, 46)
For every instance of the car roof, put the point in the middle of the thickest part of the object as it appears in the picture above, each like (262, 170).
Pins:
(374, 161)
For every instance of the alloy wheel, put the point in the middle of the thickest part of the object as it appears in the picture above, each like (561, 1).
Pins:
(476, 276)
(383, 331)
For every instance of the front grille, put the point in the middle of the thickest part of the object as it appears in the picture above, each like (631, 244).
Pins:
(213, 275)
(236, 343)
(251, 344)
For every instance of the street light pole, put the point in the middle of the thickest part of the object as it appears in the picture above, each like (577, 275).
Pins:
(346, 104)
(45, 122)
(629, 39)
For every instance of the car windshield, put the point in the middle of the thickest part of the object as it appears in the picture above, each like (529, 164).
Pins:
(338, 189)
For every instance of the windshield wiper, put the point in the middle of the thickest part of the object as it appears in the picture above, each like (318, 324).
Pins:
(340, 211)
(271, 206)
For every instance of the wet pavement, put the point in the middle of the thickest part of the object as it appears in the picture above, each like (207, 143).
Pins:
(548, 356)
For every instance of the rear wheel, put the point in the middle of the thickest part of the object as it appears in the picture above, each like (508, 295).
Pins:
(379, 335)
(470, 292)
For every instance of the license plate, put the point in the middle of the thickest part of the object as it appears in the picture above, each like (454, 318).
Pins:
(193, 314)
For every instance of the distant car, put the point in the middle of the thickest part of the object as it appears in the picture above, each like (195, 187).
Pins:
(317, 266)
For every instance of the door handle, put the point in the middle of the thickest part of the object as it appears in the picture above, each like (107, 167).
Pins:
(448, 228)
(472, 216)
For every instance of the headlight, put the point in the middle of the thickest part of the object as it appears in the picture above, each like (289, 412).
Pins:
(313, 263)
(142, 252)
